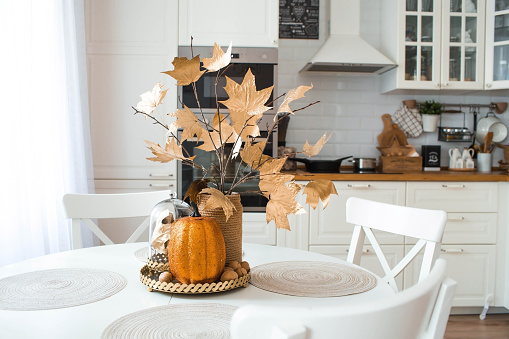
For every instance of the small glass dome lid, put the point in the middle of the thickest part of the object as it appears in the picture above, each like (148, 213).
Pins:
(163, 215)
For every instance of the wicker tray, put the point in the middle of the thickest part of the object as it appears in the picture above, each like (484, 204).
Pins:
(147, 278)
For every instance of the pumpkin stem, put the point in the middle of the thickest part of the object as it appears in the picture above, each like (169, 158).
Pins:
(195, 213)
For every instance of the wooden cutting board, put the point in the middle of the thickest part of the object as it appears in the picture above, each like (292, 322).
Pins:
(400, 135)
(385, 138)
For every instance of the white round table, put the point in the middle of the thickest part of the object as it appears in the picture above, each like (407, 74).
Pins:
(90, 320)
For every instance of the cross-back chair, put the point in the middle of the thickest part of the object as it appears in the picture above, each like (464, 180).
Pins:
(425, 225)
(85, 207)
(419, 312)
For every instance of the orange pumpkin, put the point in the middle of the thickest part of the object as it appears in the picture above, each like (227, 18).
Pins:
(196, 250)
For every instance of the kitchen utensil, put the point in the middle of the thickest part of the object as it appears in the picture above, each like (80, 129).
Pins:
(506, 152)
(363, 164)
(384, 138)
(400, 135)
(487, 141)
(322, 166)
(500, 107)
(491, 123)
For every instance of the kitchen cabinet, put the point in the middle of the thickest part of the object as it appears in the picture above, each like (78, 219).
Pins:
(470, 238)
(437, 44)
(129, 43)
(256, 230)
(244, 23)
(497, 44)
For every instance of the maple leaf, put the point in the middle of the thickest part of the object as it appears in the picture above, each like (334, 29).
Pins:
(218, 200)
(245, 98)
(195, 188)
(314, 150)
(292, 95)
(215, 139)
(170, 152)
(269, 183)
(245, 124)
(187, 120)
(219, 58)
(252, 154)
(319, 189)
(185, 71)
(272, 166)
(282, 203)
(151, 99)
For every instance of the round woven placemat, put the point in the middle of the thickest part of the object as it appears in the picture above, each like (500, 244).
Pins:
(141, 254)
(192, 320)
(58, 288)
(312, 278)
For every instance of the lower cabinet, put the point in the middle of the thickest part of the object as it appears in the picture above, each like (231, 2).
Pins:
(256, 230)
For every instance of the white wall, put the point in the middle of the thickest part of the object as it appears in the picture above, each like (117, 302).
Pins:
(352, 106)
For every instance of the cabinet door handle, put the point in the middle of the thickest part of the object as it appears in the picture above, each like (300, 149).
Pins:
(455, 218)
(161, 185)
(488, 85)
(451, 250)
(453, 186)
(359, 185)
(363, 251)
(160, 175)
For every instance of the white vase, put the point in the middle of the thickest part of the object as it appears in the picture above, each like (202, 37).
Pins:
(430, 122)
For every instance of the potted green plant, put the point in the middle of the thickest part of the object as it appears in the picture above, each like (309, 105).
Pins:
(430, 111)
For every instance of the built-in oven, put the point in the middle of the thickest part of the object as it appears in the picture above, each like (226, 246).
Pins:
(263, 64)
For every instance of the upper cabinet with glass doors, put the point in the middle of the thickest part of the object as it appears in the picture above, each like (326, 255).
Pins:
(497, 44)
(437, 44)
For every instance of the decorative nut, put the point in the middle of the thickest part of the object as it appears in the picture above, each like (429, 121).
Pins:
(229, 275)
(241, 271)
(234, 264)
(228, 268)
(165, 277)
(245, 265)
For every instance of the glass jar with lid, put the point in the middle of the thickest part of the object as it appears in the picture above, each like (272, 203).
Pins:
(163, 215)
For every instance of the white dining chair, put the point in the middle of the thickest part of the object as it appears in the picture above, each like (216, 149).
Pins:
(85, 207)
(420, 312)
(425, 225)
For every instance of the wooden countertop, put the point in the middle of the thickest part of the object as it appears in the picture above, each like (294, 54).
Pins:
(443, 175)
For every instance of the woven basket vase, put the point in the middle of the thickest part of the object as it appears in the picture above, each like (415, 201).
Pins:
(232, 229)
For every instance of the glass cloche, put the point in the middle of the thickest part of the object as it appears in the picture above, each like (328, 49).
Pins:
(162, 216)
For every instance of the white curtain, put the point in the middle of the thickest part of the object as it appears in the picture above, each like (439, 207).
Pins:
(44, 129)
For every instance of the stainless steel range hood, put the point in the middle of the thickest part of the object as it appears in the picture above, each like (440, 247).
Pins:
(344, 51)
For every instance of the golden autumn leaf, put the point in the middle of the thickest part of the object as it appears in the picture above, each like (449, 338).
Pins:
(195, 188)
(245, 124)
(272, 166)
(214, 139)
(252, 154)
(282, 203)
(170, 152)
(219, 58)
(319, 189)
(314, 150)
(270, 182)
(292, 95)
(161, 233)
(151, 99)
(245, 98)
(218, 200)
(185, 71)
(189, 122)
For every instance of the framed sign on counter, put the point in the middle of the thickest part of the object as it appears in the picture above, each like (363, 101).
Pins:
(299, 19)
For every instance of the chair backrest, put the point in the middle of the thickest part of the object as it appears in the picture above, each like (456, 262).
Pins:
(84, 207)
(426, 225)
(419, 312)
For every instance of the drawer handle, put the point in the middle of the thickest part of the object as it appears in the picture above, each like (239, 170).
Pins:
(359, 185)
(363, 251)
(161, 185)
(451, 250)
(455, 219)
(453, 186)
(160, 175)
